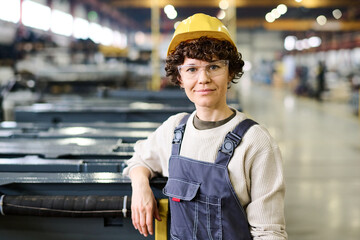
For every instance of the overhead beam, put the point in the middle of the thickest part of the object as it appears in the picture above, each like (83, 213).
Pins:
(298, 25)
(303, 3)
(239, 3)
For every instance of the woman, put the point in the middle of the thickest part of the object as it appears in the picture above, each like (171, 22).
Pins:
(223, 183)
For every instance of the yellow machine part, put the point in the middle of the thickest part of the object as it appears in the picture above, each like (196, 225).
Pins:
(161, 231)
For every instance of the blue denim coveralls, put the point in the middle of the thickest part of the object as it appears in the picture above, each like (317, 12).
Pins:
(203, 203)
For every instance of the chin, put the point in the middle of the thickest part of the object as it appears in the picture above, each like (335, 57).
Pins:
(205, 104)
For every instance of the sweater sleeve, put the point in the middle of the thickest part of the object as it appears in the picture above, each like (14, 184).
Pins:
(265, 211)
(154, 152)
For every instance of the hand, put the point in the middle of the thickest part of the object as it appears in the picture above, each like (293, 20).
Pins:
(144, 209)
(143, 203)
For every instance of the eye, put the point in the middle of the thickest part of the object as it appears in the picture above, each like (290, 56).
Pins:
(191, 69)
(214, 67)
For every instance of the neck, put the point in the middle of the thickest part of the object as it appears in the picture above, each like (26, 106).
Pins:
(207, 114)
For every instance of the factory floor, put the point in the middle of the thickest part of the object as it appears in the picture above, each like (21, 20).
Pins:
(320, 144)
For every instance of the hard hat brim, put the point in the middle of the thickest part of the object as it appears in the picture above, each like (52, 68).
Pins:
(195, 35)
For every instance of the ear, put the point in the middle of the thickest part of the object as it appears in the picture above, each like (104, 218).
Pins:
(180, 82)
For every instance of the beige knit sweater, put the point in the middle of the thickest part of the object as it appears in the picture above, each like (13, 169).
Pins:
(255, 170)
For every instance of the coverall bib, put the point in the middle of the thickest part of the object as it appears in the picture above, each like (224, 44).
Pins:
(203, 203)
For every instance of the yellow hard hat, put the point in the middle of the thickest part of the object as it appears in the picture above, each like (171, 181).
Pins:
(199, 25)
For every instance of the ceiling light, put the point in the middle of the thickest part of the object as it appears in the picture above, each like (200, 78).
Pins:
(169, 8)
(95, 31)
(221, 15)
(337, 14)
(170, 11)
(269, 17)
(289, 43)
(305, 43)
(321, 20)
(275, 13)
(107, 36)
(172, 15)
(176, 24)
(224, 4)
(282, 8)
(61, 23)
(36, 15)
(314, 41)
(10, 10)
(298, 0)
(299, 46)
(81, 28)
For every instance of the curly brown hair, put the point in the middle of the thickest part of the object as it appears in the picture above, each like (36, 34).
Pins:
(206, 49)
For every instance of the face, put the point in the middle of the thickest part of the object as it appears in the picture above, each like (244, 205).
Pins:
(205, 83)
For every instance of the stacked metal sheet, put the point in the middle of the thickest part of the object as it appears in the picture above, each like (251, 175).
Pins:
(61, 164)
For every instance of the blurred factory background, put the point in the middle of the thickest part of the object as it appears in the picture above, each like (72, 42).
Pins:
(82, 80)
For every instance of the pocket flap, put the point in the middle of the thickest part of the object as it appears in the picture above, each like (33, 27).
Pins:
(181, 189)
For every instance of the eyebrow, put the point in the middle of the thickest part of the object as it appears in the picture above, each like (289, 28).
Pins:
(191, 64)
(199, 65)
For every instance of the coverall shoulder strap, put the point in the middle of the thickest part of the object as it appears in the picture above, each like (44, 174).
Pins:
(178, 135)
(232, 140)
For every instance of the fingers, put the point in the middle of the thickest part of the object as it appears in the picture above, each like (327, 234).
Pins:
(142, 220)
(149, 222)
(143, 209)
(135, 218)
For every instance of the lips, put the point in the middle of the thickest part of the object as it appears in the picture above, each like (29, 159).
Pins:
(204, 90)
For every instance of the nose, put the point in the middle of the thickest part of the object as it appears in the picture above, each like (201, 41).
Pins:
(203, 76)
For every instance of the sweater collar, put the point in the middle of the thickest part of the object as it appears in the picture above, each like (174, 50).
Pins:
(203, 125)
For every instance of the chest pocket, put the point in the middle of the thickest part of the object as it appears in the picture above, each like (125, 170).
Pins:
(193, 215)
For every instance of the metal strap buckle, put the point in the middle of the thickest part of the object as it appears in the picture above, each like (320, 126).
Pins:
(178, 134)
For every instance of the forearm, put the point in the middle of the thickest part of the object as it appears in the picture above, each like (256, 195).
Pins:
(139, 176)
(266, 210)
(143, 203)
